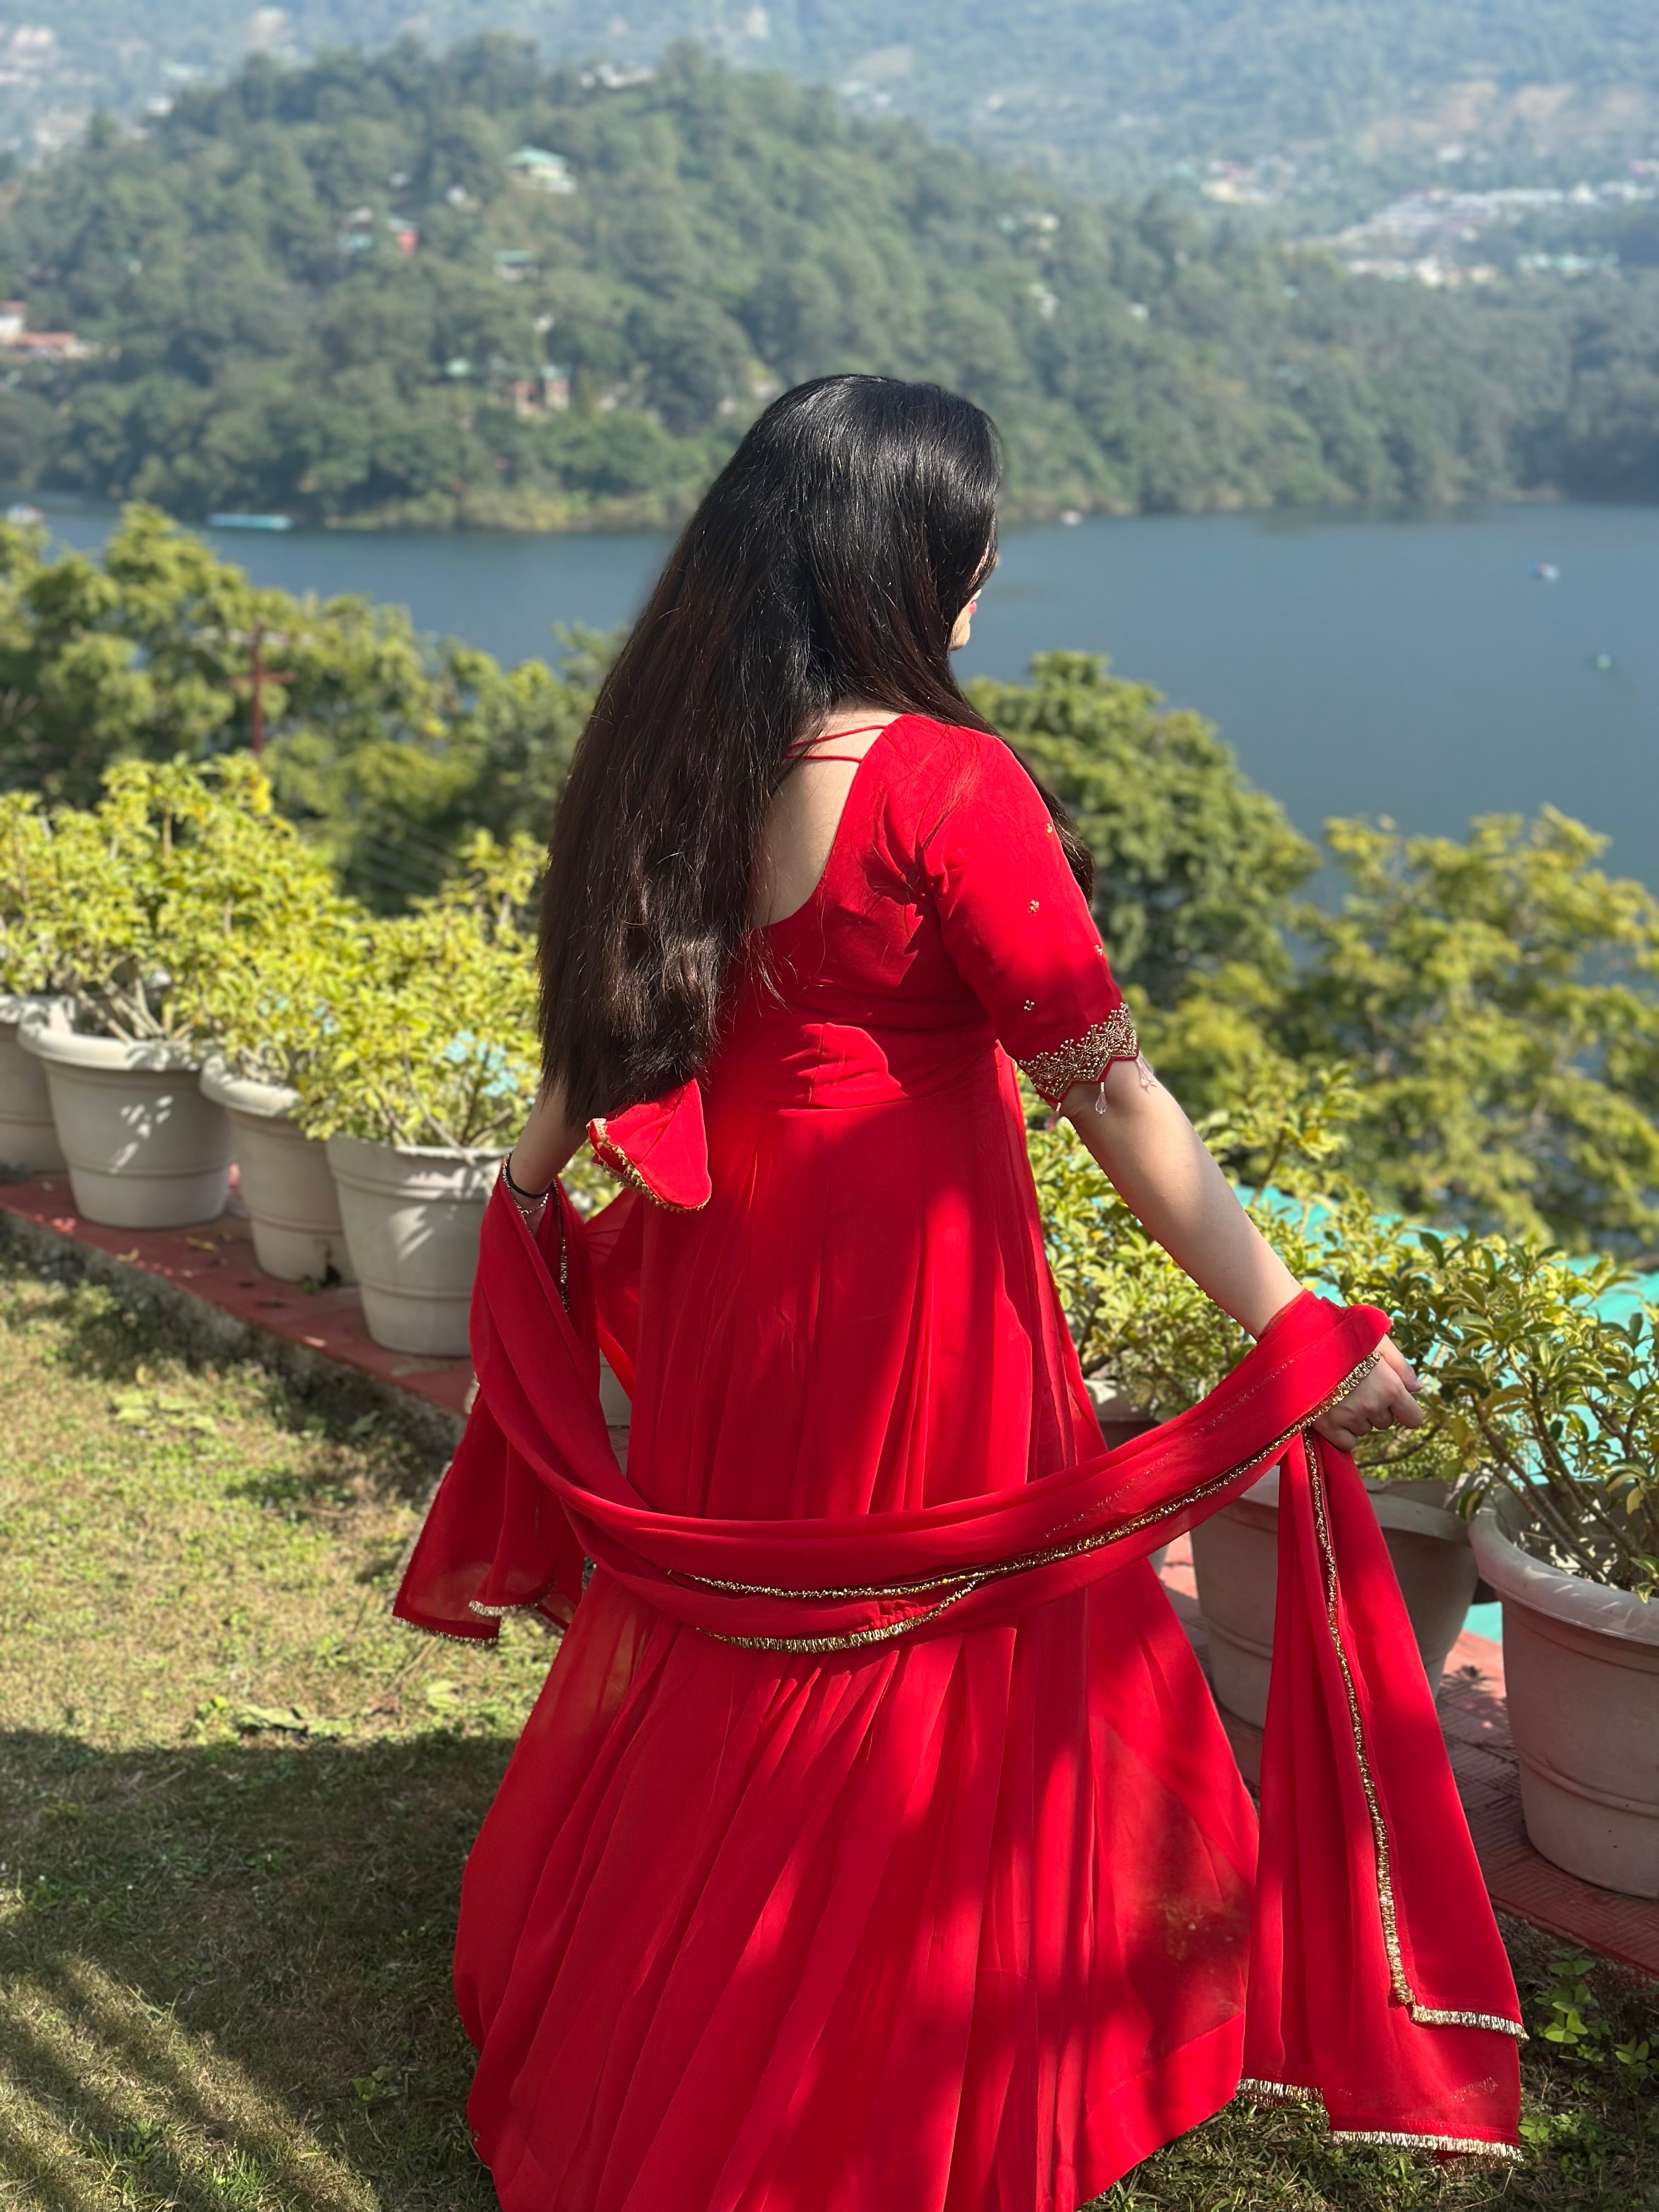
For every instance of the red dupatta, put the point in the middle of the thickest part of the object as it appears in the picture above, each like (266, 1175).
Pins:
(1379, 1991)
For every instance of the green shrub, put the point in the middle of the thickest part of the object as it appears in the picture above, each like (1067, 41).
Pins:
(1529, 1387)
(139, 903)
(29, 958)
(1549, 1399)
(430, 1036)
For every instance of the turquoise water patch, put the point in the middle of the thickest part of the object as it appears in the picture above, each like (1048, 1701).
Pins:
(1487, 1621)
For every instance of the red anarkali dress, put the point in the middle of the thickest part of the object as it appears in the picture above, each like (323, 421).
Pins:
(958, 1925)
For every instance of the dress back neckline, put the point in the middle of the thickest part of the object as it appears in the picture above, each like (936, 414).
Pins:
(814, 897)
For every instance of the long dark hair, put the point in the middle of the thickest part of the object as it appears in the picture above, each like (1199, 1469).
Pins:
(826, 563)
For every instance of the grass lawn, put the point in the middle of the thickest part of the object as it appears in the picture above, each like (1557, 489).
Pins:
(235, 1801)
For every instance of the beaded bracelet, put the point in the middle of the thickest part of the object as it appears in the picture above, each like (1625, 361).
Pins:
(530, 1204)
(525, 1197)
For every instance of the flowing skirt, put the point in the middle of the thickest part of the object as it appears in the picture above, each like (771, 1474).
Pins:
(961, 1926)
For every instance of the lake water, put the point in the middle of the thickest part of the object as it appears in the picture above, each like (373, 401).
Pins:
(1415, 667)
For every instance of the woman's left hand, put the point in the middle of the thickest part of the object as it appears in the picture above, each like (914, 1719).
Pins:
(1386, 1398)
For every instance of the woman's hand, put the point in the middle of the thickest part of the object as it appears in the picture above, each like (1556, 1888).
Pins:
(1386, 1398)
(1166, 1177)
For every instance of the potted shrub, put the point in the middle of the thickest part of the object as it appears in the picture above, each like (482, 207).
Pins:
(177, 870)
(1145, 1329)
(29, 974)
(419, 1085)
(1557, 1404)
(268, 1019)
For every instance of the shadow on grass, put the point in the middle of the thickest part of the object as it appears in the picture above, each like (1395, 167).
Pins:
(225, 1975)
(224, 1983)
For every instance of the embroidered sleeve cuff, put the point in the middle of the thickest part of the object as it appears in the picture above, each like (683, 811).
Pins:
(1084, 1059)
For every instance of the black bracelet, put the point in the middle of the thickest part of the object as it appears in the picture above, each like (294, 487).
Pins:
(530, 1197)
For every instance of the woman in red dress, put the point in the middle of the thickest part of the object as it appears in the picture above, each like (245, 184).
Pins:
(952, 1924)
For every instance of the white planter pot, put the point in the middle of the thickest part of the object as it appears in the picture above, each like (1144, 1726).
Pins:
(1581, 1666)
(145, 1150)
(411, 1215)
(29, 1138)
(1236, 1562)
(283, 1177)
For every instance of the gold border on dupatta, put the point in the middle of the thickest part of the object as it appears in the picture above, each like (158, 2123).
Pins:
(962, 1582)
(608, 1156)
(1423, 2015)
(1474, 2150)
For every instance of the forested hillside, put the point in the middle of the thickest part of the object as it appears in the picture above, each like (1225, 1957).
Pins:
(471, 289)
(1109, 94)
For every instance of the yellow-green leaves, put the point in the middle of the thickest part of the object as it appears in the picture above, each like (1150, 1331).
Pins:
(185, 907)
(430, 1039)
(1497, 999)
(1550, 1396)
(141, 906)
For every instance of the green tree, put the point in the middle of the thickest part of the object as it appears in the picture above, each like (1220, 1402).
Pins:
(148, 651)
(325, 289)
(1496, 998)
(387, 749)
(1495, 1001)
(1193, 867)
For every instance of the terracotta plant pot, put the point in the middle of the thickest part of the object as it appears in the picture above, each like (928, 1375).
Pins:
(1236, 1562)
(411, 1215)
(1581, 1666)
(145, 1150)
(283, 1177)
(29, 1138)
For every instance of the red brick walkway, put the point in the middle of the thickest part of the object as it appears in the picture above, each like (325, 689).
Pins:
(216, 1263)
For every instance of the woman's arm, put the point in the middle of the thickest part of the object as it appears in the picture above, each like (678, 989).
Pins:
(547, 1142)
(1162, 1171)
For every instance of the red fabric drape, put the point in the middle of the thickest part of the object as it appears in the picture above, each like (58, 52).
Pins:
(1379, 1988)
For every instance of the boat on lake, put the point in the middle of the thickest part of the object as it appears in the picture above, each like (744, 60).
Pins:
(250, 522)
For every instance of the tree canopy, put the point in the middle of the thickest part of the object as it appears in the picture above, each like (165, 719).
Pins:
(470, 287)
(1194, 866)
(387, 748)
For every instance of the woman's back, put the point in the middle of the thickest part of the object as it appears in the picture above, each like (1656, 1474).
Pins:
(870, 1931)
(819, 1921)
(861, 1318)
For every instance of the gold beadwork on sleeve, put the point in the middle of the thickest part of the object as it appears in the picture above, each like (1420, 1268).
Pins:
(1084, 1059)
